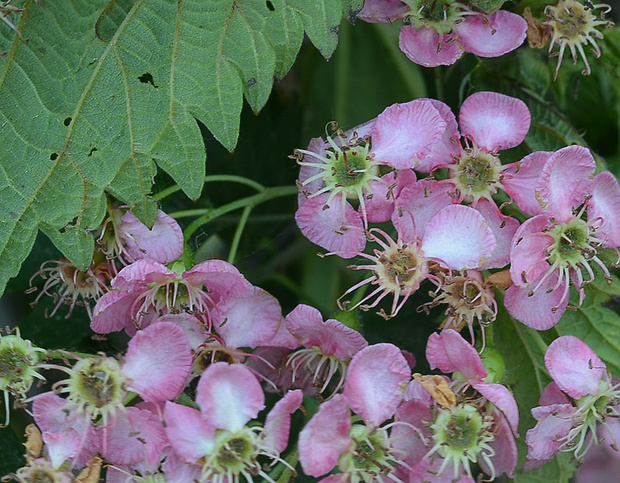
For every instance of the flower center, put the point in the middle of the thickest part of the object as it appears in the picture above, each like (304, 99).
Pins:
(369, 456)
(440, 15)
(468, 300)
(573, 25)
(594, 409)
(477, 174)
(233, 454)
(461, 435)
(97, 386)
(398, 269)
(18, 360)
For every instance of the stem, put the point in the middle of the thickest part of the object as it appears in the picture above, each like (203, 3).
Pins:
(207, 214)
(209, 179)
(342, 74)
(235, 242)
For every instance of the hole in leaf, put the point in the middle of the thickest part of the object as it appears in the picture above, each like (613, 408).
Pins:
(270, 6)
(251, 82)
(54, 156)
(92, 150)
(147, 78)
(67, 121)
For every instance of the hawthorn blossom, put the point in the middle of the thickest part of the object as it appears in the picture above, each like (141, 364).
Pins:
(575, 216)
(328, 347)
(346, 167)
(580, 407)
(456, 237)
(146, 289)
(68, 285)
(490, 122)
(457, 421)
(364, 450)
(216, 441)
(438, 32)
(92, 418)
(125, 238)
(573, 24)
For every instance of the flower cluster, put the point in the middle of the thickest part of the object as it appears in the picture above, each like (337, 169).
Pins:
(449, 227)
(437, 32)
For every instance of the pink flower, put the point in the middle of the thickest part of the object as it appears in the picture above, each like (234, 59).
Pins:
(328, 348)
(93, 417)
(437, 33)
(575, 215)
(147, 289)
(490, 122)
(455, 237)
(373, 391)
(216, 439)
(577, 408)
(347, 168)
(458, 421)
(127, 239)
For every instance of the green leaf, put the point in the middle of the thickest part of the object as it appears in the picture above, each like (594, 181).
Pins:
(94, 96)
(597, 322)
(523, 350)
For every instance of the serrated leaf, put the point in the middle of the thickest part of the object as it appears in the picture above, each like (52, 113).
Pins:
(95, 95)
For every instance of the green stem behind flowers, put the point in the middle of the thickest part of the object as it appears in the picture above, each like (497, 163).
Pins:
(210, 179)
(207, 214)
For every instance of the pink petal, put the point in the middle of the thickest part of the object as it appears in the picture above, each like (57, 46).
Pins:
(460, 237)
(505, 459)
(67, 432)
(414, 414)
(565, 181)
(491, 35)
(317, 145)
(375, 381)
(544, 440)
(376, 11)
(229, 396)
(331, 336)
(278, 422)
(113, 311)
(446, 147)
(574, 367)
(158, 362)
(380, 207)
(605, 205)
(325, 437)
(140, 274)
(536, 311)
(137, 435)
(504, 229)
(177, 471)
(449, 352)
(193, 329)
(423, 199)
(527, 255)
(189, 434)
(503, 400)
(162, 243)
(219, 278)
(494, 121)
(425, 47)
(330, 228)
(552, 394)
(520, 180)
(404, 133)
(248, 321)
